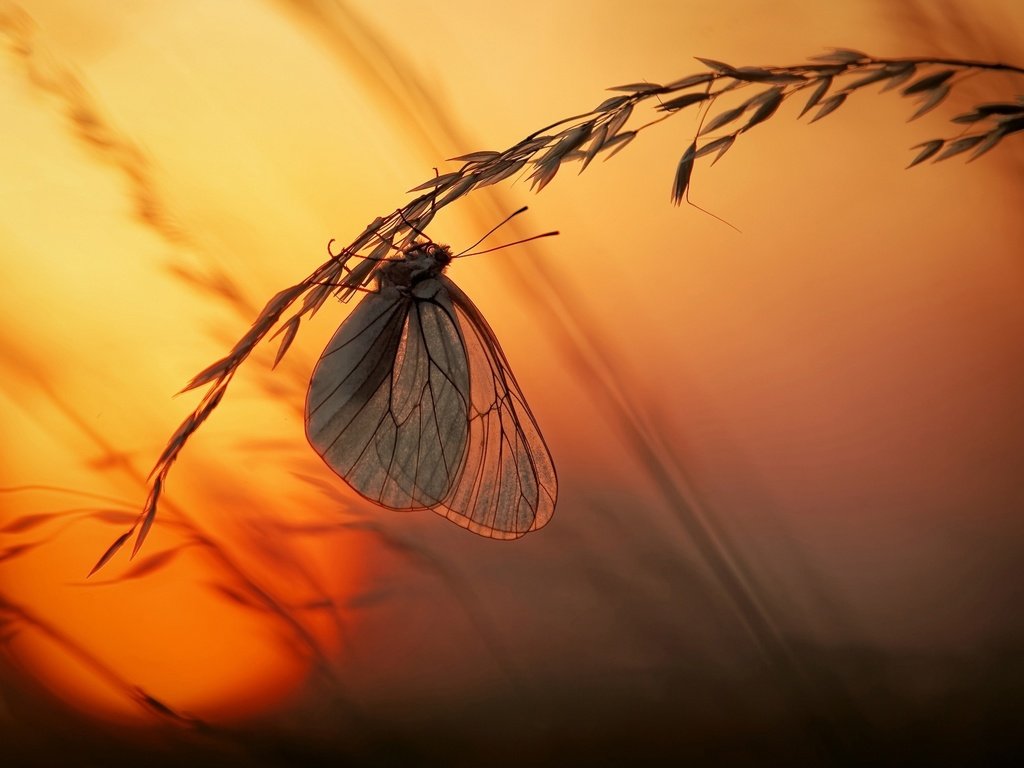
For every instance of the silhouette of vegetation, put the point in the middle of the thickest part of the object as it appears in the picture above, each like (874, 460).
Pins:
(828, 80)
(604, 131)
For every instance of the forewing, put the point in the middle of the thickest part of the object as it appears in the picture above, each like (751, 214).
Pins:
(388, 400)
(507, 486)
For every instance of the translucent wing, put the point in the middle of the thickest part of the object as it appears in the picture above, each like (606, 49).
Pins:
(388, 401)
(507, 485)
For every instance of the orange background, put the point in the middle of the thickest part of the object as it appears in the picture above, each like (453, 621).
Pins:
(834, 397)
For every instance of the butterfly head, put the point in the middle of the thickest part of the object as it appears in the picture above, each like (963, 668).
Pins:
(418, 262)
(431, 257)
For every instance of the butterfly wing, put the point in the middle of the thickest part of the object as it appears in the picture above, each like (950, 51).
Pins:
(388, 401)
(507, 485)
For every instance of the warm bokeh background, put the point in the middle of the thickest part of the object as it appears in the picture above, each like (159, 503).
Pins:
(790, 519)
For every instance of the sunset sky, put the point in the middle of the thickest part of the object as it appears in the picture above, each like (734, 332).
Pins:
(788, 430)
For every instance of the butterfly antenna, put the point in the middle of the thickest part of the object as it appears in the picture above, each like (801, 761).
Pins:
(493, 229)
(507, 245)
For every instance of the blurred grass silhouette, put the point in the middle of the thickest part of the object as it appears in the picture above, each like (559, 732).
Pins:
(764, 695)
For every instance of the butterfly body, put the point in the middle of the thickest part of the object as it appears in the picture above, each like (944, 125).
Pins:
(413, 403)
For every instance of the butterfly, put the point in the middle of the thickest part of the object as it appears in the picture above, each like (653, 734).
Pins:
(414, 405)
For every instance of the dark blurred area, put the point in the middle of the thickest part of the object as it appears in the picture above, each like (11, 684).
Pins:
(856, 707)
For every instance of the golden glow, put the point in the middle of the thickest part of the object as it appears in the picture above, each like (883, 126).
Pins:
(840, 383)
(230, 605)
